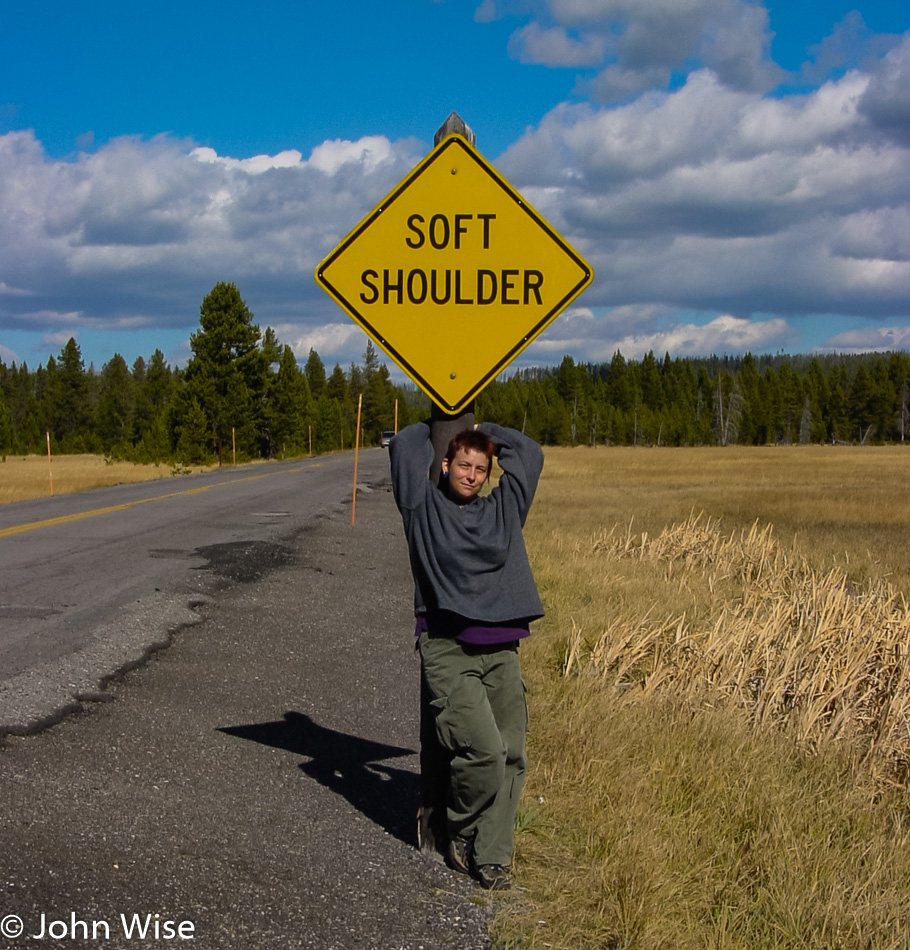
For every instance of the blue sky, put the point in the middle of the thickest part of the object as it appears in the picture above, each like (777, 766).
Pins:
(738, 173)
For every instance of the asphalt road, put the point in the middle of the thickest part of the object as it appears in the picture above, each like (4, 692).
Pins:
(254, 784)
(91, 581)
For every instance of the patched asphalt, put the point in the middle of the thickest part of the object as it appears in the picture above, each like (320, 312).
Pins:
(256, 780)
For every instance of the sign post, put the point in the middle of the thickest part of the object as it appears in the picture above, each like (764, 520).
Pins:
(452, 275)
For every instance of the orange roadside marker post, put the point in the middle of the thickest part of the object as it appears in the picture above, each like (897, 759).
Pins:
(356, 451)
(50, 474)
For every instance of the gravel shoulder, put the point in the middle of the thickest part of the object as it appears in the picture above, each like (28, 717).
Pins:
(256, 779)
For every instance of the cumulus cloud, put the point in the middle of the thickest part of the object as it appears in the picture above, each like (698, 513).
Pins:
(289, 158)
(715, 198)
(137, 232)
(871, 340)
(582, 333)
(6, 290)
(367, 153)
(555, 47)
(886, 102)
(485, 12)
(639, 44)
(330, 338)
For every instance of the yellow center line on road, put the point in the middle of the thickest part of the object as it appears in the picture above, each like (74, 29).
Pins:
(95, 512)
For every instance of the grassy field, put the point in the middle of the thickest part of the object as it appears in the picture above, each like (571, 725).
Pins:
(720, 705)
(720, 702)
(27, 476)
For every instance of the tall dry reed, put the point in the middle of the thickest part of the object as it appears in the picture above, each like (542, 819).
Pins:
(796, 647)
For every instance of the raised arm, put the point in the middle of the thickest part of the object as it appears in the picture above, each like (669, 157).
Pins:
(410, 457)
(521, 460)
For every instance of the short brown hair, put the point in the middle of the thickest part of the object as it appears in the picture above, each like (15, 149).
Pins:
(471, 439)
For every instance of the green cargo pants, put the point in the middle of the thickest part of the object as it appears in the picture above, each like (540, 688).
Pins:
(481, 716)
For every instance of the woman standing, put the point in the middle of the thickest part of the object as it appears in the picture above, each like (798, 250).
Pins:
(474, 599)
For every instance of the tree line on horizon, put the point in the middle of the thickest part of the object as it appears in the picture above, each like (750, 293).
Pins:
(747, 400)
(243, 391)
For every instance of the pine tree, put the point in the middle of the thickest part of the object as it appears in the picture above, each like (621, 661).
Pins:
(903, 411)
(314, 370)
(337, 386)
(25, 412)
(370, 363)
(839, 425)
(116, 403)
(6, 426)
(620, 385)
(154, 391)
(378, 404)
(193, 435)
(288, 407)
(64, 403)
(652, 394)
(328, 424)
(860, 404)
(227, 373)
(271, 348)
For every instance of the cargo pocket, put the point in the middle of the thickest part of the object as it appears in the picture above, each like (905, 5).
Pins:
(446, 724)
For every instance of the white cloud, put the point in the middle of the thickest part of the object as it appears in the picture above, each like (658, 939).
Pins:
(368, 152)
(619, 82)
(878, 234)
(724, 334)
(57, 341)
(886, 102)
(485, 12)
(152, 218)
(346, 341)
(53, 318)
(6, 290)
(711, 198)
(871, 340)
(256, 165)
(639, 43)
(554, 47)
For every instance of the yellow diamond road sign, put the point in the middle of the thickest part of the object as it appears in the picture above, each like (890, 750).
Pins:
(453, 274)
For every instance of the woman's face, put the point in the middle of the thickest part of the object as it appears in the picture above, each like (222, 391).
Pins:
(467, 474)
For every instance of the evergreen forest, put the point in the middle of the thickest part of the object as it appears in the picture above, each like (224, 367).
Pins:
(243, 394)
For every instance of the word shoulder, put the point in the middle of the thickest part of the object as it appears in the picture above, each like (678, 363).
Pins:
(516, 286)
(441, 286)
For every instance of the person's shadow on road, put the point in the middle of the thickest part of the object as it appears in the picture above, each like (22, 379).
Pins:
(348, 765)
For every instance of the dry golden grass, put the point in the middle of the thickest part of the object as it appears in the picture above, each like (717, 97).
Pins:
(847, 505)
(719, 702)
(24, 477)
(765, 632)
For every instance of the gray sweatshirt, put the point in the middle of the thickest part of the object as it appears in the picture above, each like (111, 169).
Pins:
(469, 559)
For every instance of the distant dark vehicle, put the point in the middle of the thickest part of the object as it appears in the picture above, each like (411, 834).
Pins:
(386, 438)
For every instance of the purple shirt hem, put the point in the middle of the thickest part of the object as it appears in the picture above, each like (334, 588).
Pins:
(475, 632)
